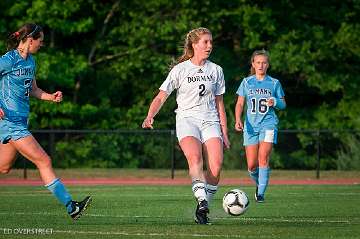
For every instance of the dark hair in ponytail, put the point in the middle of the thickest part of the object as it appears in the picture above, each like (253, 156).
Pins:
(28, 30)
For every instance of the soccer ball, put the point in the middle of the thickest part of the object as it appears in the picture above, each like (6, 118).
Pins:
(235, 202)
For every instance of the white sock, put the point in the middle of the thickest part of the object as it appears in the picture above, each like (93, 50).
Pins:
(198, 188)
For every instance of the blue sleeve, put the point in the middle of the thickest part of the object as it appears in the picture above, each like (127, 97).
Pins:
(279, 93)
(279, 97)
(241, 90)
(5, 65)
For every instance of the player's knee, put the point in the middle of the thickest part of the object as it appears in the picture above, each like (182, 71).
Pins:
(4, 170)
(44, 162)
(194, 159)
(263, 162)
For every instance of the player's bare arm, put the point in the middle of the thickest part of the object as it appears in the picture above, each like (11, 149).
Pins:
(42, 95)
(154, 108)
(223, 120)
(238, 112)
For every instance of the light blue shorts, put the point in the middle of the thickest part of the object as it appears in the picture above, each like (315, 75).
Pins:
(264, 134)
(15, 129)
(200, 129)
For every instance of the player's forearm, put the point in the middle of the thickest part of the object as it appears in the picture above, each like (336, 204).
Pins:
(42, 95)
(222, 114)
(223, 123)
(238, 112)
(155, 106)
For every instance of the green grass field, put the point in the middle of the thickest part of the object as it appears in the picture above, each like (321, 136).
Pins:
(312, 211)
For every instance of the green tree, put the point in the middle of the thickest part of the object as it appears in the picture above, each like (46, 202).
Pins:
(110, 57)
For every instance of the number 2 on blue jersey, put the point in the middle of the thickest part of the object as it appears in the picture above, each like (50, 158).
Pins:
(27, 83)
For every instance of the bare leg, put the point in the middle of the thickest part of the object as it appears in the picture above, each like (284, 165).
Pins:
(252, 156)
(192, 149)
(30, 148)
(264, 170)
(252, 162)
(7, 157)
(213, 152)
(264, 154)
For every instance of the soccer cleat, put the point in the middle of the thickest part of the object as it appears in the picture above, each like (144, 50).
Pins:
(259, 198)
(79, 207)
(202, 209)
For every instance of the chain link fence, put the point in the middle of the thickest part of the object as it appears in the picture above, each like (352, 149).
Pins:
(158, 149)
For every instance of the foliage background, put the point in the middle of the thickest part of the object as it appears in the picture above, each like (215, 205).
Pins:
(110, 57)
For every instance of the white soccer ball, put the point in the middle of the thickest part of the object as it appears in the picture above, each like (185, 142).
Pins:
(235, 202)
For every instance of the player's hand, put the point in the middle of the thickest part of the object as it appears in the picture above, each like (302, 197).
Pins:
(226, 141)
(270, 102)
(148, 123)
(2, 114)
(57, 96)
(239, 126)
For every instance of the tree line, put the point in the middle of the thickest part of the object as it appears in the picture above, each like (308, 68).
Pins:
(109, 57)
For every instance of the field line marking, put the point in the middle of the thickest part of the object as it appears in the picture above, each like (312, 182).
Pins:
(251, 219)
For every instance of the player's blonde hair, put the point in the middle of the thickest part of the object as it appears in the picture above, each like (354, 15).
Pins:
(258, 53)
(192, 36)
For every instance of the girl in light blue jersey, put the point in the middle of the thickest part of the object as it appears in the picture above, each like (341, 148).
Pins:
(17, 83)
(263, 95)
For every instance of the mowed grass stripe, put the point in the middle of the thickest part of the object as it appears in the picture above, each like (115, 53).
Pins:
(116, 234)
(290, 211)
(242, 218)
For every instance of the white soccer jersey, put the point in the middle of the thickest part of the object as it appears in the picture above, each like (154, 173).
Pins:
(196, 88)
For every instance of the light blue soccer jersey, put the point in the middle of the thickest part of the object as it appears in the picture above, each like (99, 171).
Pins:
(16, 79)
(256, 93)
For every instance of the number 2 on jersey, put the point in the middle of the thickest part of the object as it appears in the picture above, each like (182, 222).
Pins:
(260, 104)
(202, 90)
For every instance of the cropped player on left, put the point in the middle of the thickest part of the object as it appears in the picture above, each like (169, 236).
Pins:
(17, 83)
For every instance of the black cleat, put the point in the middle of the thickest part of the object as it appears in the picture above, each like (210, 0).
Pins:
(79, 207)
(202, 209)
(259, 198)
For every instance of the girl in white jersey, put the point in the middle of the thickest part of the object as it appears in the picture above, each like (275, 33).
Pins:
(262, 95)
(17, 83)
(200, 117)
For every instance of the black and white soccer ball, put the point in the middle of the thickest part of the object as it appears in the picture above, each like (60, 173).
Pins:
(235, 202)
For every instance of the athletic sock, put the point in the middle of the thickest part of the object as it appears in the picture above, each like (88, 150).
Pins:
(210, 192)
(198, 188)
(263, 180)
(58, 189)
(254, 175)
